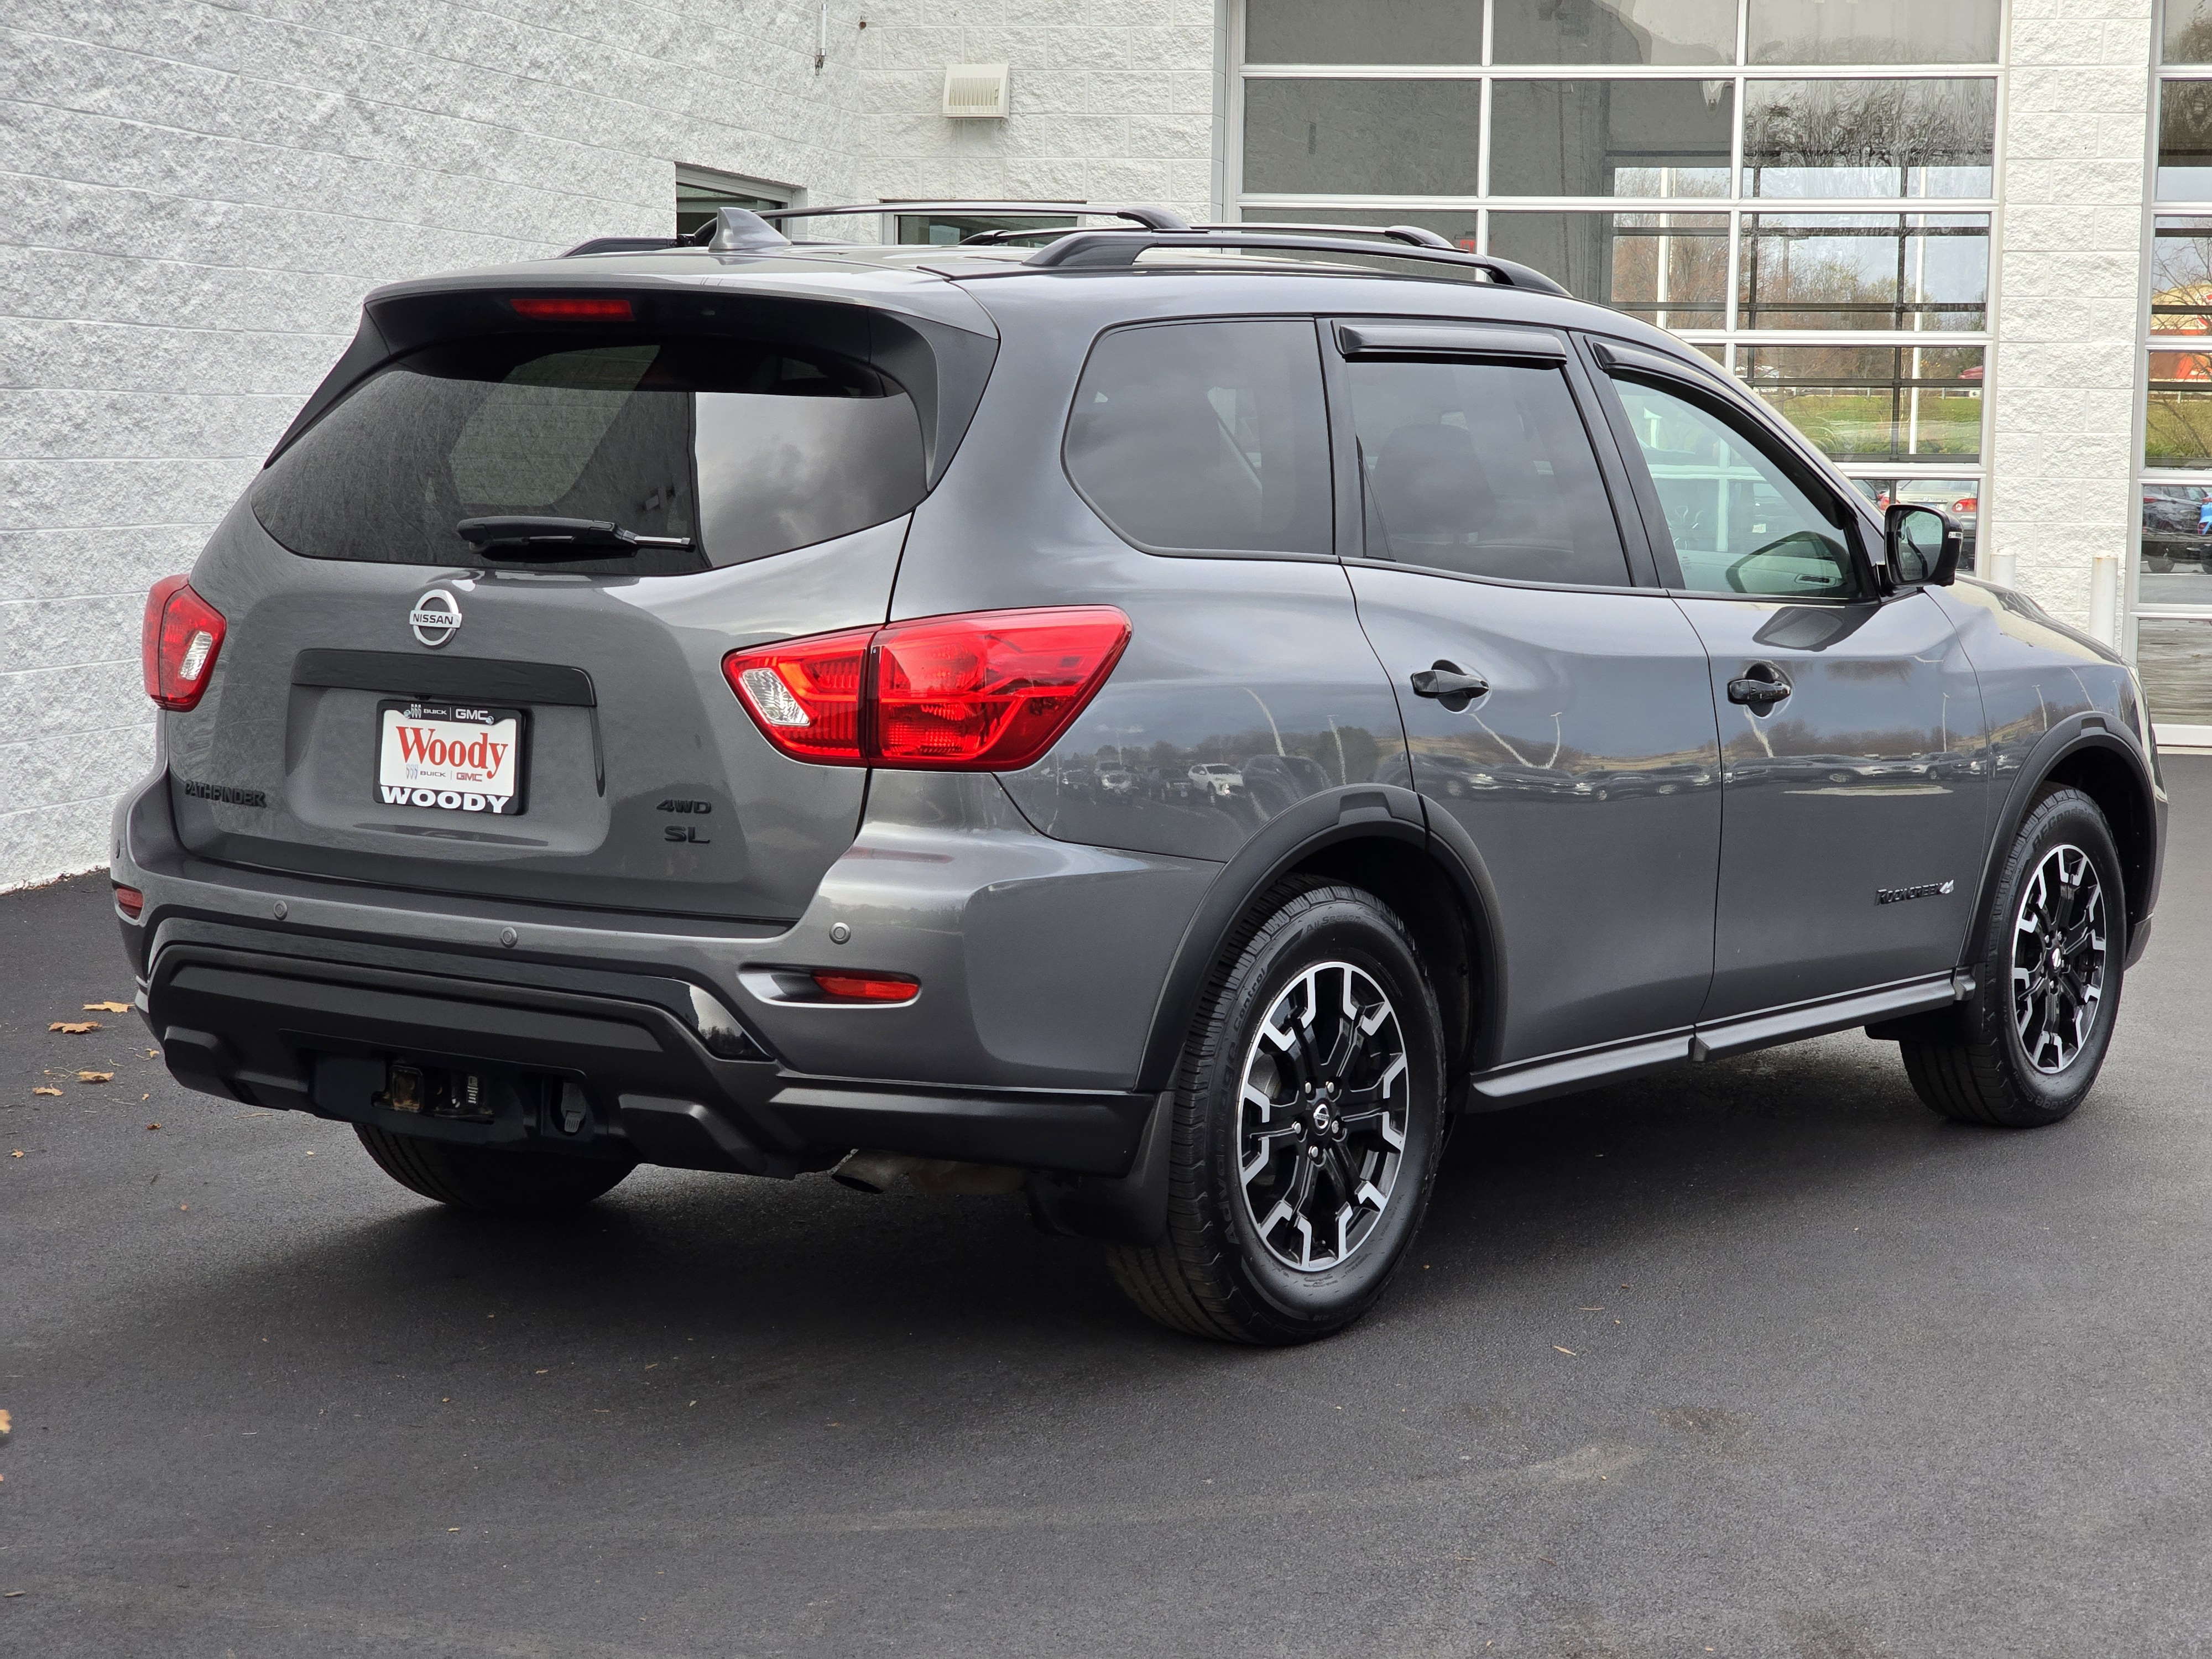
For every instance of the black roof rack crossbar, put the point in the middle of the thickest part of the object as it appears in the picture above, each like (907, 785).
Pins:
(1150, 218)
(1096, 250)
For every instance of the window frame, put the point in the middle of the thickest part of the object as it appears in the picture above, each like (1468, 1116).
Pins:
(1643, 575)
(1329, 437)
(1754, 425)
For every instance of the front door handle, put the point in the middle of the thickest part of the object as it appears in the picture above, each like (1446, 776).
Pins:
(1450, 684)
(1758, 692)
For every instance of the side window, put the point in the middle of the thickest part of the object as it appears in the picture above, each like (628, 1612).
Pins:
(1482, 469)
(1206, 437)
(1740, 525)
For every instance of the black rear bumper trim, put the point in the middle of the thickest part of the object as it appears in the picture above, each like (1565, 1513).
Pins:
(257, 1025)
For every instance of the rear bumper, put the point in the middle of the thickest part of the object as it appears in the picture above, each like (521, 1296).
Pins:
(314, 1025)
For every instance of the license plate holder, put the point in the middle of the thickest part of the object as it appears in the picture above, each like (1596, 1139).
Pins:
(466, 759)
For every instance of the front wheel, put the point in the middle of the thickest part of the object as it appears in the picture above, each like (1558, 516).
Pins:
(2024, 1051)
(1307, 1127)
(505, 1182)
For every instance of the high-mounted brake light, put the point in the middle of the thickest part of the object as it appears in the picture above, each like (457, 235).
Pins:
(183, 633)
(572, 311)
(987, 691)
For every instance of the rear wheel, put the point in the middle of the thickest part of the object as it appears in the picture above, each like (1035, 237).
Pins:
(2025, 1049)
(1308, 1122)
(499, 1183)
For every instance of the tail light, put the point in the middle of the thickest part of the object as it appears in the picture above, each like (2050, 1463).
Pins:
(988, 691)
(129, 900)
(183, 634)
(806, 693)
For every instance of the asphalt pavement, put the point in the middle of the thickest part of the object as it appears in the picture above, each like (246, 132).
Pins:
(1760, 1358)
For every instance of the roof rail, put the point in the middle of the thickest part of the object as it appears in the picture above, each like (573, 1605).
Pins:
(1418, 235)
(1097, 250)
(1150, 218)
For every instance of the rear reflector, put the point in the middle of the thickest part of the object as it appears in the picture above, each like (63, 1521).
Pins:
(988, 691)
(178, 647)
(866, 987)
(573, 310)
(129, 900)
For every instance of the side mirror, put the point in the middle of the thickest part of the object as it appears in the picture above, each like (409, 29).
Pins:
(1924, 544)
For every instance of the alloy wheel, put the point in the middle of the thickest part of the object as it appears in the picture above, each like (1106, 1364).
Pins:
(1321, 1118)
(2058, 959)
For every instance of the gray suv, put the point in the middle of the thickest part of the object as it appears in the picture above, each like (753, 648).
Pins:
(688, 703)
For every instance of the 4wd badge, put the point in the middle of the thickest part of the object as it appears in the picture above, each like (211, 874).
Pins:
(436, 618)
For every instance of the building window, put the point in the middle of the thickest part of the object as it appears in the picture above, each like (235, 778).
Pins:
(1801, 189)
(2170, 588)
(702, 192)
(949, 229)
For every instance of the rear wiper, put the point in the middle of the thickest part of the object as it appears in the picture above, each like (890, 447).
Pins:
(535, 536)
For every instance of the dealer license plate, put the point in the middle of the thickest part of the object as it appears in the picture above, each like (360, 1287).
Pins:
(450, 757)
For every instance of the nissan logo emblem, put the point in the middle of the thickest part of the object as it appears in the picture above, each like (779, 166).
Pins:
(436, 618)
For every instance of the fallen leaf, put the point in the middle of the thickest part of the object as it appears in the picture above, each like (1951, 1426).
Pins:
(1570, 1352)
(543, 1373)
(654, 1362)
(18, 1153)
(153, 1053)
(184, 1206)
(45, 1091)
(95, 1077)
(7, 1423)
(75, 1027)
(107, 1007)
(452, 1529)
(9, 1595)
(153, 1125)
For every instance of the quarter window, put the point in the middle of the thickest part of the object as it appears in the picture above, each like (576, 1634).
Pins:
(1739, 524)
(1482, 469)
(1206, 437)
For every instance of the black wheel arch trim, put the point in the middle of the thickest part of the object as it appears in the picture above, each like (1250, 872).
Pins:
(1369, 811)
(2140, 867)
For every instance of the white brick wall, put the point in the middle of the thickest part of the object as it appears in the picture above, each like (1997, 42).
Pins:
(2061, 491)
(195, 196)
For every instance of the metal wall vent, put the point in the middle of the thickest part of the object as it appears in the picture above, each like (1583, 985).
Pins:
(975, 92)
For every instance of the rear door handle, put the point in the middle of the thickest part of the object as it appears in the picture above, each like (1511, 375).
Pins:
(1449, 685)
(1759, 691)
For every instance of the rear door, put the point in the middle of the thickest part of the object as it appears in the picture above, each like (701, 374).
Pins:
(506, 719)
(1852, 728)
(1487, 552)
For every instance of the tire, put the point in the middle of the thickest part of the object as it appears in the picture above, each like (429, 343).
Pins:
(488, 1182)
(1241, 1260)
(2024, 1050)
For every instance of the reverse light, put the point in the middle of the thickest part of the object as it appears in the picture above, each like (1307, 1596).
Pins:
(866, 987)
(182, 634)
(572, 311)
(985, 691)
(129, 900)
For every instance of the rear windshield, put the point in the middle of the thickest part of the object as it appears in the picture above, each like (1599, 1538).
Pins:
(744, 449)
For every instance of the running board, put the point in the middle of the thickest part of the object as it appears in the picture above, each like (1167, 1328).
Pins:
(1742, 1036)
(1565, 1073)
